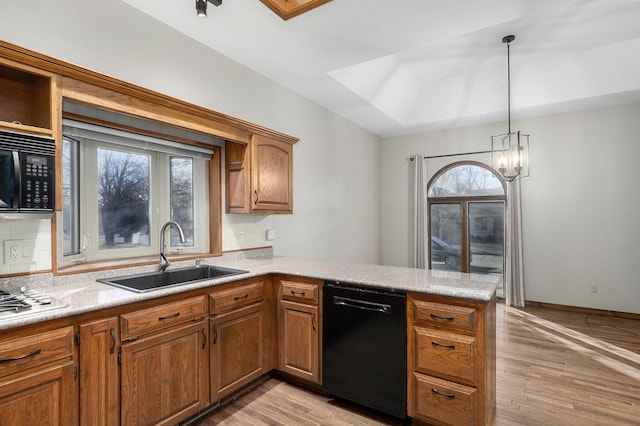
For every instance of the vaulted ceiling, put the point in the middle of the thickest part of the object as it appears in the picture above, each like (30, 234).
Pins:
(416, 65)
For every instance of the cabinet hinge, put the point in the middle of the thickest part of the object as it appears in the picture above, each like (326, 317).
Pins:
(77, 336)
(75, 373)
(119, 358)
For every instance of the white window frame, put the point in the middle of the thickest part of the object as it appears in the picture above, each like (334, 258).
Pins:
(92, 137)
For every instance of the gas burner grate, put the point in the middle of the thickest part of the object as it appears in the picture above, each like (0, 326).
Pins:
(27, 302)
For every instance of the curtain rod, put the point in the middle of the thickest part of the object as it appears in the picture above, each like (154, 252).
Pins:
(455, 155)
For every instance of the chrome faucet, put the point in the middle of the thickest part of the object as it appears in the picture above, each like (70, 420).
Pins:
(164, 263)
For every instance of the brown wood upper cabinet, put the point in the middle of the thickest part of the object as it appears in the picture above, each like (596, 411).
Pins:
(259, 176)
(26, 99)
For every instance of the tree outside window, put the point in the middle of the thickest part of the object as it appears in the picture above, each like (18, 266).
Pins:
(123, 199)
(182, 198)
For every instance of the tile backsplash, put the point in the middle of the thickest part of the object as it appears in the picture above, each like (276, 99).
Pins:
(239, 232)
(32, 241)
(245, 231)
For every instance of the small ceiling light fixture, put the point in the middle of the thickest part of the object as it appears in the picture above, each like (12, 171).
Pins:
(510, 151)
(201, 6)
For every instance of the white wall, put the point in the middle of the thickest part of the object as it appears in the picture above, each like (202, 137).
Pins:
(581, 203)
(336, 164)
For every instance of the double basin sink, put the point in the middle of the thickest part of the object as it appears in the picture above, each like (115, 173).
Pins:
(162, 279)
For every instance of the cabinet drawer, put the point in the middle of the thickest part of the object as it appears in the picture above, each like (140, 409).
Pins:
(444, 315)
(445, 354)
(300, 292)
(145, 321)
(35, 350)
(442, 402)
(238, 296)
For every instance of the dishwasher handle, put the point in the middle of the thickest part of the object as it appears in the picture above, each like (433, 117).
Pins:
(362, 304)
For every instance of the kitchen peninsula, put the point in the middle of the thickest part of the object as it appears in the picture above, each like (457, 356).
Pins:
(214, 337)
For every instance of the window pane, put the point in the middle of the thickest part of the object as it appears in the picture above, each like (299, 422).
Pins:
(486, 237)
(123, 199)
(182, 198)
(70, 199)
(464, 181)
(445, 236)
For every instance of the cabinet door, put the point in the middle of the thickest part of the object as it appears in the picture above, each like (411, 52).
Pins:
(45, 397)
(271, 175)
(238, 350)
(238, 190)
(99, 385)
(299, 340)
(164, 377)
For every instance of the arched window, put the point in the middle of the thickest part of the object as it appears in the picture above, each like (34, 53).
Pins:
(466, 213)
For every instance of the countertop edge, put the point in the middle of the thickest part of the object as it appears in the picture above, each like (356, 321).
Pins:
(89, 295)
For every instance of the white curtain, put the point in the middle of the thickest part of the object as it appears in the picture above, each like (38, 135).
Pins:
(419, 219)
(514, 273)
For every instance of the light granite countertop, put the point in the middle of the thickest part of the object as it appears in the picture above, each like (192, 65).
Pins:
(83, 294)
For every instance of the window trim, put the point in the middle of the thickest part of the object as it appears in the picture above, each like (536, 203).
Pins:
(159, 169)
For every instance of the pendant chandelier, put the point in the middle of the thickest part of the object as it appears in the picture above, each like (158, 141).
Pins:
(510, 151)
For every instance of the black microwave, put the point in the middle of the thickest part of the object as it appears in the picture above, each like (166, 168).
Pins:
(27, 175)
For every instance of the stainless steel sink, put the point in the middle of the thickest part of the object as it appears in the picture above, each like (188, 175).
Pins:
(169, 278)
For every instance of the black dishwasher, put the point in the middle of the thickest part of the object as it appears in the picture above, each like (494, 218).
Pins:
(364, 347)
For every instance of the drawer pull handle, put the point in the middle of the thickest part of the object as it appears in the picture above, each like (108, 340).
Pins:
(241, 297)
(18, 358)
(443, 346)
(301, 293)
(434, 316)
(113, 340)
(204, 338)
(177, 314)
(446, 395)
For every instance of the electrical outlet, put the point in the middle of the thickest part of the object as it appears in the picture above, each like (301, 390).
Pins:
(18, 251)
(594, 288)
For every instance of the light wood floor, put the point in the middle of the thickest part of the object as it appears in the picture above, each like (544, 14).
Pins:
(553, 368)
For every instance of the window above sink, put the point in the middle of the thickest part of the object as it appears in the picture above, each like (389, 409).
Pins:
(119, 186)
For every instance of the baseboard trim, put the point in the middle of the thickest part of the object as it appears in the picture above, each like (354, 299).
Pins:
(580, 309)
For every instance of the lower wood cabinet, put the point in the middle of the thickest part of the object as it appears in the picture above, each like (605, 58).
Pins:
(452, 371)
(299, 325)
(240, 327)
(238, 349)
(299, 340)
(160, 363)
(44, 397)
(38, 379)
(165, 376)
(99, 373)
